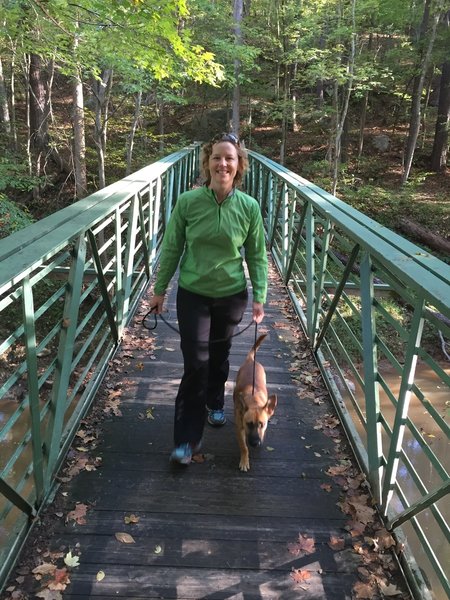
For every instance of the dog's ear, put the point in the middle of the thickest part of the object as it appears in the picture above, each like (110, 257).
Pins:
(271, 404)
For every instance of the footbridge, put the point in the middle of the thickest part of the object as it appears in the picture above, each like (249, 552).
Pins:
(348, 498)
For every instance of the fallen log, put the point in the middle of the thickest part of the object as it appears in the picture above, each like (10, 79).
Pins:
(424, 235)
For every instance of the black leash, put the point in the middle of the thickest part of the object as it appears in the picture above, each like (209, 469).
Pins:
(254, 359)
(150, 312)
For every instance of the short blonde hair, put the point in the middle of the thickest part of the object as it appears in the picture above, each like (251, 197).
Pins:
(241, 152)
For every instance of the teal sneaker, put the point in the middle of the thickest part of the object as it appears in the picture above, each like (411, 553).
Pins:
(216, 417)
(183, 453)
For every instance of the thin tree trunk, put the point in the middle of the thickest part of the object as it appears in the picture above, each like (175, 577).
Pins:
(79, 143)
(160, 109)
(414, 125)
(440, 144)
(4, 108)
(39, 117)
(362, 124)
(130, 141)
(13, 99)
(102, 91)
(342, 117)
(425, 105)
(236, 104)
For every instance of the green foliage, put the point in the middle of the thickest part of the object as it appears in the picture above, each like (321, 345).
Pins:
(15, 176)
(12, 217)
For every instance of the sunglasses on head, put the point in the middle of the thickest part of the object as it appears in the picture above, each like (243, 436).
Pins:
(227, 137)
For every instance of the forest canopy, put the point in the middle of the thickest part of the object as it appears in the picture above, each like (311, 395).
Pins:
(90, 91)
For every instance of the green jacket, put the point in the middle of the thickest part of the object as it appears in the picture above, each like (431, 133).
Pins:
(208, 238)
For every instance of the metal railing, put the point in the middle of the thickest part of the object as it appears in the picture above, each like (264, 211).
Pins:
(376, 310)
(68, 286)
(374, 307)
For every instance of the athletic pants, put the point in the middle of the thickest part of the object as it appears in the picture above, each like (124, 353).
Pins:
(203, 320)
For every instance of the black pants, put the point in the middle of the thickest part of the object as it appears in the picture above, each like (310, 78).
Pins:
(203, 320)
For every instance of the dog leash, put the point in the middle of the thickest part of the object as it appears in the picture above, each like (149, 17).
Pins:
(150, 312)
(254, 359)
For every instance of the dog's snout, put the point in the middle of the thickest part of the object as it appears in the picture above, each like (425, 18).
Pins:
(254, 441)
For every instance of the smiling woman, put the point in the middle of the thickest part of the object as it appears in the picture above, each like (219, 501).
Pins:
(208, 229)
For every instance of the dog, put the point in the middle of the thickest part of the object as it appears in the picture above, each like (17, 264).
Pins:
(252, 406)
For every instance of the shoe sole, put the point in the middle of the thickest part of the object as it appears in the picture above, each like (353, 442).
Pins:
(215, 424)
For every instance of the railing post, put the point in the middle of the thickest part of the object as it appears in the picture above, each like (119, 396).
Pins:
(33, 388)
(404, 396)
(310, 270)
(370, 366)
(65, 354)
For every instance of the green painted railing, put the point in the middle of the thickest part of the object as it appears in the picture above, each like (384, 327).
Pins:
(374, 307)
(68, 286)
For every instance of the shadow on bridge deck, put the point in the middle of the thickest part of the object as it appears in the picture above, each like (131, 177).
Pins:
(206, 531)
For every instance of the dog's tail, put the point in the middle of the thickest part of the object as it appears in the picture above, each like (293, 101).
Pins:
(251, 354)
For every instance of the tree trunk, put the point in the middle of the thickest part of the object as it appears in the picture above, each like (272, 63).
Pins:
(341, 117)
(13, 99)
(130, 141)
(440, 145)
(414, 125)
(362, 123)
(237, 23)
(39, 115)
(4, 108)
(102, 91)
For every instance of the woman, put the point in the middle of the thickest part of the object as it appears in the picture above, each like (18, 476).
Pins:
(208, 228)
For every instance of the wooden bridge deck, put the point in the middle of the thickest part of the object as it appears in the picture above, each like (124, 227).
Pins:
(206, 531)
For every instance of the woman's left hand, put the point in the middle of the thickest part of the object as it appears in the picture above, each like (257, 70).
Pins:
(258, 312)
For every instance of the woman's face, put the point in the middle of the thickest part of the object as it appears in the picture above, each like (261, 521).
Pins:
(223, 165)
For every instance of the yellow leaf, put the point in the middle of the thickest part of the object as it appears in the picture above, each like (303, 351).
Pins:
(100, 575)
(71, 561)
(270, 449)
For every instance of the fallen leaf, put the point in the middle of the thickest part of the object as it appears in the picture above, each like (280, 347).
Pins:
(71, 561)
(100, 575)
(49, 595)
(304, 545)
(60, 581)
(300, 576)
(44, 569)
(336, 543)
(131, 519)
(149, 413)
(157, 549)
(270, 449)
(125, 538)
(364, 591)
(326, 486)
(78, 514)
(389, 590)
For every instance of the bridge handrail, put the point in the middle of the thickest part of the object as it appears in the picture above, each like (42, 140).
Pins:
(69, 285)
(345, 272)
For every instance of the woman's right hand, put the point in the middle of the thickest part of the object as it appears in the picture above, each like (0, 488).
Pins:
(157, 303)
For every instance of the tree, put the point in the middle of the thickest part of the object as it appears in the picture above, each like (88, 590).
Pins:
(427, 37)
(440, 145)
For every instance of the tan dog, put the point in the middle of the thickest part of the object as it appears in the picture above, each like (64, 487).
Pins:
(252, 408)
